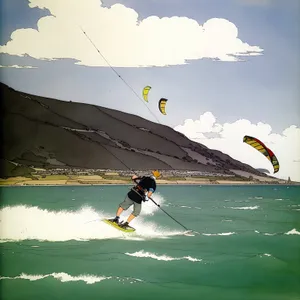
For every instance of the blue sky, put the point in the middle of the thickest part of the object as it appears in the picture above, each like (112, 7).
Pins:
(261, 88)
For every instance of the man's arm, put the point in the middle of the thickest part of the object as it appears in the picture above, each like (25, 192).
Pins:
(149, 194)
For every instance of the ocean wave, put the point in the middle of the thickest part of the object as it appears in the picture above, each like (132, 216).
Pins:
(65, 277)
(265, 233)
(245, 207)
(182, 206)
(265, 254)
(222, 233)
(143, 254)
(293, 231)
(192, 207)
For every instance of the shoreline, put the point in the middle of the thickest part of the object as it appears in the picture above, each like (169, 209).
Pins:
(88, 181)
(164, 184)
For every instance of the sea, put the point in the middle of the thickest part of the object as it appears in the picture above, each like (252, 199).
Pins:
(244, 243)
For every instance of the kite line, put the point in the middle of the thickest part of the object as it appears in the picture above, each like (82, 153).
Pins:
(114, 70)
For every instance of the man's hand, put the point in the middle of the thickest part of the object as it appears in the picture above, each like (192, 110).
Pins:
(146, 198)
(134, 177)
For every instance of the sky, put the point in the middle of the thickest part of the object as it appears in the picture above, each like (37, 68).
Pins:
(228, 68)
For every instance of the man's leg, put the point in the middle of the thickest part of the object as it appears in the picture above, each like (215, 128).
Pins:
(123, 206)
(135, 213)
(130, 218)
(119, 211)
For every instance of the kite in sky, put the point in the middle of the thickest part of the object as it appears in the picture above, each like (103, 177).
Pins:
(146, 92)
(262, 148)
(162, 105)
(162, 102)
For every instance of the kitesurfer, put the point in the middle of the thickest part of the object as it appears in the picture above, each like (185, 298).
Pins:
(145, 187)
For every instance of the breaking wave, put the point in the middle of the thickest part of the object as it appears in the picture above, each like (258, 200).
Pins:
(293, 231)
(222, 233)
(245, 207)
(143, 254)
(265, 254)
(265, 233)
(182, 206)
(64, 277)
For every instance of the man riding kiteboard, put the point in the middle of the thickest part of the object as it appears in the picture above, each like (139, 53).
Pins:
(145, 187)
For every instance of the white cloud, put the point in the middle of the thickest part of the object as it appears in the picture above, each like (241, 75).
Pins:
(122, 38)
(18, 67)
(286, 146)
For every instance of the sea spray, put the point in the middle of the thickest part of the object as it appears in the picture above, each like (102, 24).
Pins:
(23, 222)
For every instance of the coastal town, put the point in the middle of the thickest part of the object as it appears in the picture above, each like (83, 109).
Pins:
(80, 176)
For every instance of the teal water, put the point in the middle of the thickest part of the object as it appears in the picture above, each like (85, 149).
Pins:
(246, 246)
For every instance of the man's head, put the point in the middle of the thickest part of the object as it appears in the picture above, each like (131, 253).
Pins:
(156, 173)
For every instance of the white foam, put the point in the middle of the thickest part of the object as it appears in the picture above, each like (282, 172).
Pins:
(293, 231)
(246, 207)
(265, 233)
(266, 254)
(190, 207)
(31, 222)
(143, 254)
(222, 233)
(65, 277)
(182, 206)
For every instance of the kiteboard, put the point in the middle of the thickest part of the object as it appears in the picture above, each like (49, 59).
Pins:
(127, 229)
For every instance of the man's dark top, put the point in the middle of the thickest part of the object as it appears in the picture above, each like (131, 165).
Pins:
(137, 193)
